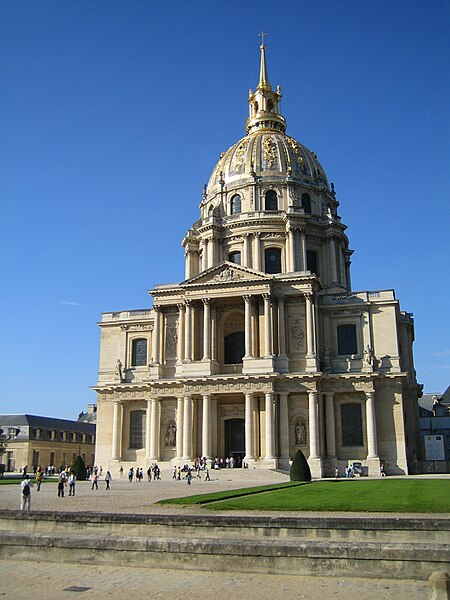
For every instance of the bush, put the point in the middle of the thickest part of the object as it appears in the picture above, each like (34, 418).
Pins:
(79, 468)
(300, 470)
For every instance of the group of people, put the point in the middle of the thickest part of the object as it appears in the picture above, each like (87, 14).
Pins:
(152, 472)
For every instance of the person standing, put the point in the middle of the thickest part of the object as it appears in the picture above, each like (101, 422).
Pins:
(38, 479)
(121, 470)
(72, 482)
(94, 480)
(108, 478)
(25, 493)
(61, 484)
(207, 477)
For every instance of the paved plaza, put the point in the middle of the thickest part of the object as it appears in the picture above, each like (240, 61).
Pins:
(100, 581)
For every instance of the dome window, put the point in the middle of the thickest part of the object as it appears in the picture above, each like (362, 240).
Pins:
(235, 257)
(235, 205)
(273, 260)
(306, 203)
(311, 261)
(271, 200)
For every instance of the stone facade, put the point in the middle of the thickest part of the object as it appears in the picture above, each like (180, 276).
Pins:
(264, 348)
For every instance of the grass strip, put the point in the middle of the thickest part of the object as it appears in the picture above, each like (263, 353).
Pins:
(228, 494)
(383, 495)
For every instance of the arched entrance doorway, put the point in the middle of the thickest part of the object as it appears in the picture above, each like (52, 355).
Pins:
(235, 440)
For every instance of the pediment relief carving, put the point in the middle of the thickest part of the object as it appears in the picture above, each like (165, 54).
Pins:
(226, 273)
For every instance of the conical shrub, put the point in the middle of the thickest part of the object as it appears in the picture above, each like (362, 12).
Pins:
(79, 468)
(300, 470)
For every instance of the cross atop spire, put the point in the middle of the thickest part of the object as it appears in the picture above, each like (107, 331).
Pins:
(261, 35)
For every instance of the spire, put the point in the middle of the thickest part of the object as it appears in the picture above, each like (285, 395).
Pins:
(264, 103)
(263, 77)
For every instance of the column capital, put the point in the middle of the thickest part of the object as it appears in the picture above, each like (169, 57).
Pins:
(157, 308)
(247, 297)
(207, 301)
(267, 297)
(188, 302)
(181, 306)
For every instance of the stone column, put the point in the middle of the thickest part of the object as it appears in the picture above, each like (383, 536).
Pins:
(249, 432)
(180, 333)
(148, 430)
(268, 342)
(270, 438)
(291, 238)
(333, 273)
(331, 427)
(179, 428)
(313, 425)
(371, 426)
(206, 426)
(189, 270)
(157, 336)
(211, 252)
(281, 328)
(213, 332)
(246, 250)
(187, 429)
(154, 432)
(303, 261)
(310, 341)
(284, 428)
(206, 329)
(248, 327)
(204, 246)
(117, 430)
(188, 333)
(257, 251)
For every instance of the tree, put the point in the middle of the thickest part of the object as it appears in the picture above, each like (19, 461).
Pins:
(3, 442)
(79, 468)
(300, 470)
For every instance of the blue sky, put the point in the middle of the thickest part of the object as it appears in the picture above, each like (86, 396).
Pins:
(114, 113)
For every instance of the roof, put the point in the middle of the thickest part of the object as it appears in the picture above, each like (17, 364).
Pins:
(46, 423)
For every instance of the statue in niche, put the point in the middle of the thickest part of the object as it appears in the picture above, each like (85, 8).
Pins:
(300, 434)
(327, 361)
(119, 370)
(171, 436)
(368, 355)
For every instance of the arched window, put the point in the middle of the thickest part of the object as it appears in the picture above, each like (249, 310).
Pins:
(234, 347)
(139, 353)
(235, 205)
(273, 260)
(271, 201)
(311, 261)
(346, 338)
(137, 428)
(306, 203)
(235, 257)
(211, 211)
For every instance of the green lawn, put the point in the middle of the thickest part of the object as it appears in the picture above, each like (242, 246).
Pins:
(382, 495)
(18, 480)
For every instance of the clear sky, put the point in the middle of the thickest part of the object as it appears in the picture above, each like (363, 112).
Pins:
(113, 114)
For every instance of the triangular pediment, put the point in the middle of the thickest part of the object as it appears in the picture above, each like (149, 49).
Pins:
(226, 272)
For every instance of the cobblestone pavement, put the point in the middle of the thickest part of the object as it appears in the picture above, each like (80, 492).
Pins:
(19, 579)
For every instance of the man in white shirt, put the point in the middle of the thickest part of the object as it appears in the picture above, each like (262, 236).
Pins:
(25, 493)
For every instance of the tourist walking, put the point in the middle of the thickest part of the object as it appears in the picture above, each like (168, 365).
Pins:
(207, 477)
(130, 474)
(121, 471)
(108, 478)
(189, 477)
(25, 493)
(72, 482)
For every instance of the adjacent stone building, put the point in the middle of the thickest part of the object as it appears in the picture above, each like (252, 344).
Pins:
(34, 440)
(264, 348)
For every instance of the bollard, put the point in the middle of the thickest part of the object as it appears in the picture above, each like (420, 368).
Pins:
(439, 585)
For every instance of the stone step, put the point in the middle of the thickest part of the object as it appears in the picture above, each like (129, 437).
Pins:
(308, 557)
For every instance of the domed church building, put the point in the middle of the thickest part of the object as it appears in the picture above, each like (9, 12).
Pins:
(264, 348)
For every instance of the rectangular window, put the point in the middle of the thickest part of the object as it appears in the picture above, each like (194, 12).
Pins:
(351, 420)
(137, 428)
(346, 338)
(139, 353)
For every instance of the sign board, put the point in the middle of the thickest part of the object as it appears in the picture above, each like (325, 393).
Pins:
(434, 447)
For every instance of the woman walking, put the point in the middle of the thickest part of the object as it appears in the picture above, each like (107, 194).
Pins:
(108, 478)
